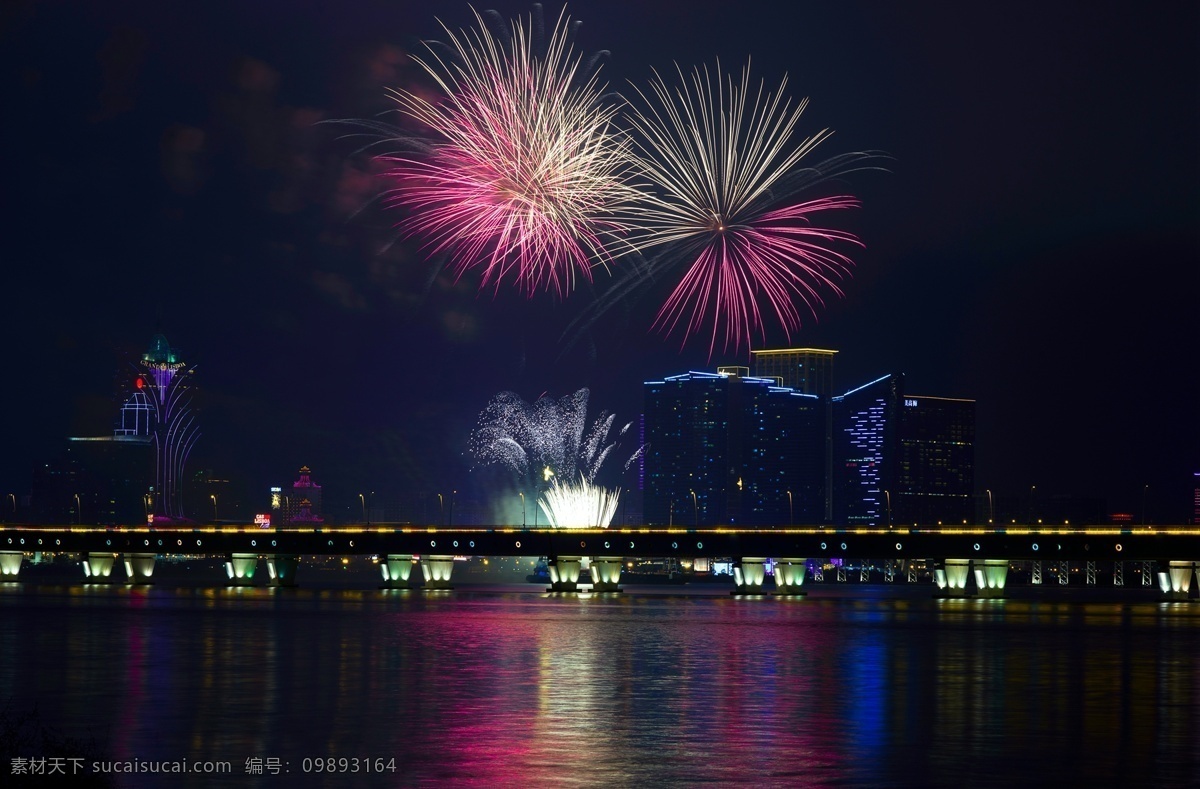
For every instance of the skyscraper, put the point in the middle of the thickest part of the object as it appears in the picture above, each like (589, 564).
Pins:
(304, 504)
(866, 432)
(936, 465)
(166, 382)
(1196, 497)
(903, 459)
(726, 448)
(134, 471)
(809, 371)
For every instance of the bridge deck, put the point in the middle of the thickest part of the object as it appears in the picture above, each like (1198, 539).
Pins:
(1109, 543)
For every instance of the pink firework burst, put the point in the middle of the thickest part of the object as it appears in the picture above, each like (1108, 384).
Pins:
(722, 165)
(523, 174)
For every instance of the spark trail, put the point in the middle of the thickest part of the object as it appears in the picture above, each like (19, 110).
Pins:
(723, 168)
(553, 452)
(519, 171)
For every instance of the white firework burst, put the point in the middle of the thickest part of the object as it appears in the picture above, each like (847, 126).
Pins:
(579, 505)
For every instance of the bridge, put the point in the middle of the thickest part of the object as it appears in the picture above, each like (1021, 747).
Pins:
(958, 556)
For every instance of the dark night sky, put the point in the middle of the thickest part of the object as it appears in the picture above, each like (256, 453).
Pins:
(1034, 244)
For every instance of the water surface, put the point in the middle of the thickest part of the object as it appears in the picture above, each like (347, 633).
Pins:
(510, 686)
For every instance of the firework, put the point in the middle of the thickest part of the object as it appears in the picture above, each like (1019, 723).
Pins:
(579, 505)
(722, 165)
(521, 173)
(549, 444)
(547, 439)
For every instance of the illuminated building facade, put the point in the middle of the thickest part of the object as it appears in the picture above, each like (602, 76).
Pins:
(166, 383)
(727, 448)
(935, 470)
(1196, 497)
(299, 504)
(866, 432)
(903, 459)
(809, 371)
(135, 473)
(806, 370)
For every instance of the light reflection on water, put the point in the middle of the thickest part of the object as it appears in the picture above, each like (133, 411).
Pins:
(509, 686)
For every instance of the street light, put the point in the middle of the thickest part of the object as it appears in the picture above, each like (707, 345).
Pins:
(453, 494)
(441, 510)
(78, 514)
(1145, 490)
(213, 496)
(695, 511)
(521, 493)
(13, 496)
(1032, 503)
(363, 501)
(791, 512)
(991, 506)
(888, 494)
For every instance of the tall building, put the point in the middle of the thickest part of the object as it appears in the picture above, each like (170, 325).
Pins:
(727, 448)
(866, 432)
(806, 370)
(809, 371)
(935, 472)
(1196, 497)
(903, 459)
(301, 503)
(166, 382)
(304, 490)
(135, 473)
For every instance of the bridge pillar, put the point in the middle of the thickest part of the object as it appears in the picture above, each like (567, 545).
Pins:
(564, 573)
(951, 577)
(282, 569)
(789, 576)
(397, 570)
(1175, 580)
(97, 567)
(748, 574)
(436, 571)
(990, 577)
(138, 568)
(10, 565)
(240, 568)
(606, 573)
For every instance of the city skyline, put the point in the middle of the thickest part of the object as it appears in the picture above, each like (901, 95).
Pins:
(1026, 249)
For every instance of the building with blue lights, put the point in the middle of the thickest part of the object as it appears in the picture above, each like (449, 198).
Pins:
(903, 459)
(728, 448)
(865, 440)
